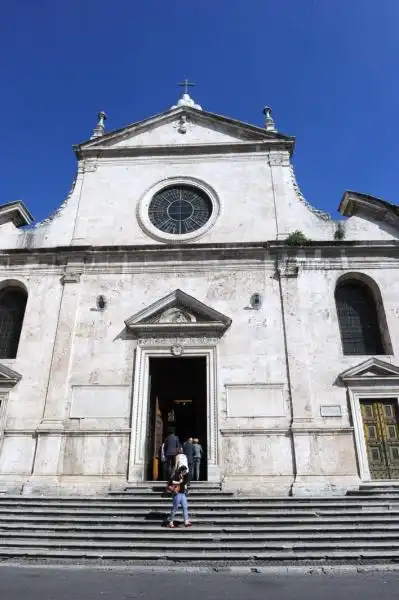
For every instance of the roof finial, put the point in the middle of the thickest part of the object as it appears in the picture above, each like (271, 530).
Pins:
(186, 100)
(186, 84)
(98, 131)
(269, 121)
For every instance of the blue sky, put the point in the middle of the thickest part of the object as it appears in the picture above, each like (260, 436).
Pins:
(329, 69)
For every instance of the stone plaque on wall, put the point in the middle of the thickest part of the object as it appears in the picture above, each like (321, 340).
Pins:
(330, 410)
(256, 400)
(100, 402)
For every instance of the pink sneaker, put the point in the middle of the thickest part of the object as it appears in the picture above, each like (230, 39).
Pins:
(170, 526)
(187, 524)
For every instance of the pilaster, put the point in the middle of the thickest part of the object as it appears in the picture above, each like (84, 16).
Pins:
(298, 358)
(49, 440)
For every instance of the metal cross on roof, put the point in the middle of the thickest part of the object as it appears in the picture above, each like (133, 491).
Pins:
(186, 84)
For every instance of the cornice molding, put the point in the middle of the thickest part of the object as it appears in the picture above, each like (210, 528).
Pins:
(227, 148)
(324, 255)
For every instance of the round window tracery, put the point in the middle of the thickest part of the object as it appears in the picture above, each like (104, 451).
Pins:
(180, 209)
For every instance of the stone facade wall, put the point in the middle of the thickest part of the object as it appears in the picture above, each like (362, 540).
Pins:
(67, 424)
(57, 436)
(258, 195)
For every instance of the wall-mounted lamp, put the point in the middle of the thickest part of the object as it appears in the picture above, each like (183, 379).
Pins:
(101, 302)
(256, 301)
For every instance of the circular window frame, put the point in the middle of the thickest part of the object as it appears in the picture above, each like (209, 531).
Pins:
(151, 230)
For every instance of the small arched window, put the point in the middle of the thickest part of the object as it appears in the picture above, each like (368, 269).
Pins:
(358, 319)
(12, 311)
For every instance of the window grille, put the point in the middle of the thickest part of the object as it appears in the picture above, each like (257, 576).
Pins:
(358, 319)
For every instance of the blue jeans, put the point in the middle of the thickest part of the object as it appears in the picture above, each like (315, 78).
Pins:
(196, 468)
(179, 499)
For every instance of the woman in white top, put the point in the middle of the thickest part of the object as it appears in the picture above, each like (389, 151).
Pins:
(181, 460)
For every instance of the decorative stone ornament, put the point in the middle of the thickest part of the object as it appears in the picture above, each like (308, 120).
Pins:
(182, 127)
(269, 121)
(256, 301)
(288, 268)
(99, 129)
(186, 100)
(176, 315)
(101, 302)
(177, 350)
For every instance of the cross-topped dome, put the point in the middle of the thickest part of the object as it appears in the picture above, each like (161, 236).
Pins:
(186, 99)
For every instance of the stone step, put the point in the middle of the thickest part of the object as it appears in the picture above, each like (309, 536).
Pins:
(201, 496)
(367, 493)
(373, 488)
(150, 484)
(193, 492)
(164, 505)
(201, 513)
(149, 528)
(194, 501)
(181, 533)
(187, 556)
(201, 547)
(200, 486)
(207, 519)
(217, 510)
(227, 497)
(129, 526)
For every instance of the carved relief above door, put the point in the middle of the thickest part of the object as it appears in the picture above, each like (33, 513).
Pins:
(381, 433)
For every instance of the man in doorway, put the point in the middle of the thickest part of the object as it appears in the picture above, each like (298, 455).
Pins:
(188, 451)
(197, 457)
(171, 449)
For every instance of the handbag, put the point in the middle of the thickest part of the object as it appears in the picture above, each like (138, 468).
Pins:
(173, 488)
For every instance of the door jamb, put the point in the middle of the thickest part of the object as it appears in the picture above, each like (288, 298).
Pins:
(140, 410)
(355, 395)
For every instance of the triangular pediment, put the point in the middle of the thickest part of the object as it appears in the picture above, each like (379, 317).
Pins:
(8, 377)
(371, 369)
(178, 314)
(375, 212)
(182, 127)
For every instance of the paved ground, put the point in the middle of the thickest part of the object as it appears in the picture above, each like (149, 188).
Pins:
(35, 583)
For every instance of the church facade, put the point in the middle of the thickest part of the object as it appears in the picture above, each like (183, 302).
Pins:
(186, 284)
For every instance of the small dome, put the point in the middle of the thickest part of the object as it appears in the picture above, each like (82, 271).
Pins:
(186, 100)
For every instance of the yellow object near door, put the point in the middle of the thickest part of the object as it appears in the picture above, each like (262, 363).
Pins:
(155, 469)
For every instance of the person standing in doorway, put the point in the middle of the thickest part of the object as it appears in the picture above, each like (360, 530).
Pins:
(198, 453)
(163, 474)
(188, 451)
(171, 449)
(179, 481)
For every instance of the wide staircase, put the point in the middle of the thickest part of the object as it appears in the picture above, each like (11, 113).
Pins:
(130, 526)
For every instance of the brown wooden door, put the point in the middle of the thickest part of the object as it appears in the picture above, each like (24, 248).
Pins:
(381, 432)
